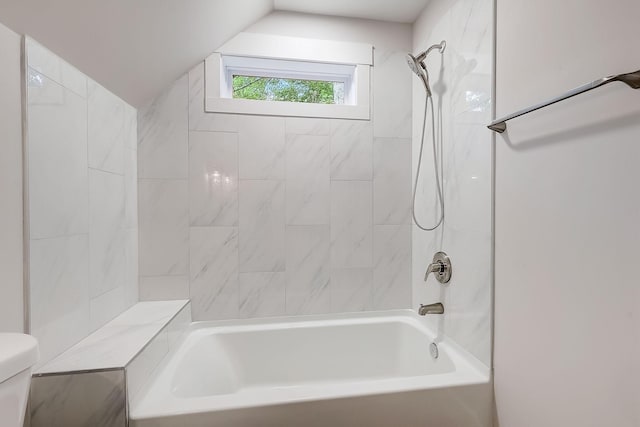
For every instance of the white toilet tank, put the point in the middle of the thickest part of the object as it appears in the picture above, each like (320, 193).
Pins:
(18, 354)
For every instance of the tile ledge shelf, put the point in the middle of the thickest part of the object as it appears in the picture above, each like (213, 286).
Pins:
(128, 334)
(96, 378)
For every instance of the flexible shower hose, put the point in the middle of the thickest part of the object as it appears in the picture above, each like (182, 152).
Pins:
(437, 169)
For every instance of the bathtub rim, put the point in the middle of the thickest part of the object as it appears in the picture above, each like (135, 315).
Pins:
(157, 401)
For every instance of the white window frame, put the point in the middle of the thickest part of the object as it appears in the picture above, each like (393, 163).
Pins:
(293, 58)
(284, 69)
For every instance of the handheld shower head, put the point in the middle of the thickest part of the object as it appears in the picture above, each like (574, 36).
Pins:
(416, 63)
(417, 66)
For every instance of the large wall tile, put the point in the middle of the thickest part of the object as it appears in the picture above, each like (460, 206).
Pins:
(351, 224)
(96, 399)
(351, 150)
(164, 288)
(12, 186)
(392, 86)
(392, 267)
(262, 294)
(304, 199)
(262, 148)
(131, 266)
(469, 320)
(45, 62)
(164, 227)
(140, 369)
(130, 189)
(130, 127)
(351, 289)
(163, 134)
(198, 119)
(467, 192)
(106, 233)
(107, 306)
(213, 178)
(106, 130)
(262, 226)
(392, 181)
(82, 206)
(308, 270)
(461, 82)
(307, 126)
(178, 325)
(57, 150)
(213, 272)
(308, 184)
(59, 306)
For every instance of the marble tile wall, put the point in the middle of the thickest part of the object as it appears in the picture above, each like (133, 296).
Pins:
(11, 191)
(96, 399)
(255, 216)
(462, 83)
(140, 370)
(91, 383)
(82, 197)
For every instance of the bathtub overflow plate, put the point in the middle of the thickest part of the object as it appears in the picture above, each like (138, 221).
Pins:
(433, 349)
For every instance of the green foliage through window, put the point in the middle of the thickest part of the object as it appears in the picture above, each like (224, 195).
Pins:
(292, 90)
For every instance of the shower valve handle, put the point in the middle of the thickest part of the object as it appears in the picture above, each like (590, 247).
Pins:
(441, 267)
(434, 267)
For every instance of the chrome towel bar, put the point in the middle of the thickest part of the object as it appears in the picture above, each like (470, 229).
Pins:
(630, 79)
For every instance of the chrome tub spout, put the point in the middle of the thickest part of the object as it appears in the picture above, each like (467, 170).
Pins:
(436, 308)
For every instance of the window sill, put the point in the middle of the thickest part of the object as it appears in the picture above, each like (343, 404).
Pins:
(288, 109)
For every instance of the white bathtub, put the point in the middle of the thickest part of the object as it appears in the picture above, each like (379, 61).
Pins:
(372, 369)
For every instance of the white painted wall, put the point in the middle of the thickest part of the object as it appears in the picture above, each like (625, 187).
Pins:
(134, 49)
(461, 83)
(378, 33)
(404, 11)
(567, 318)
(11, 317)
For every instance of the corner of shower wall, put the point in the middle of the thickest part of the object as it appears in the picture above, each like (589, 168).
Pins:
(462, 79)
(11, 210)
(81, 202)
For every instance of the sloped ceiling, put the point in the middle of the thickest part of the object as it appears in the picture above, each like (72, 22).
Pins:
(135, 48)
(404, 11)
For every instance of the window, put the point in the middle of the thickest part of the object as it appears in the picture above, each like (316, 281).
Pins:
(266, 79)
(285, 76)
(284, 89)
